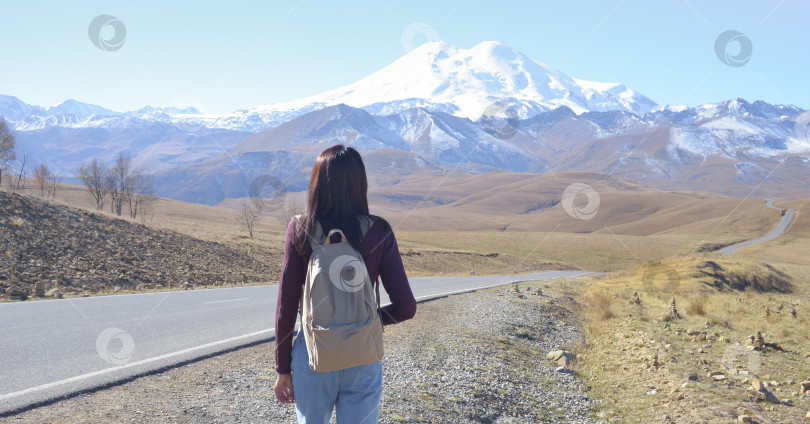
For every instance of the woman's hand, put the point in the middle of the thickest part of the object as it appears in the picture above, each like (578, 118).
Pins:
(284, 388)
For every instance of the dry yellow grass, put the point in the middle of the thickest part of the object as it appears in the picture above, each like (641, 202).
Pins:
(722, 301)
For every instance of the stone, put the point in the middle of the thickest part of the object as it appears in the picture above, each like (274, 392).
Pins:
(757, 385)
(805, 386)
(563, 358)
(564, 370)
(758, 341)
(671, 313)
(16, 293)
(555, 355)
(743, 419)
(39, 289)
(768, 395)
(655, 364)
(54, 292)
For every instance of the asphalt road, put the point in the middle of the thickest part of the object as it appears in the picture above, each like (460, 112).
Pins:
(787, 218)
(55, 348)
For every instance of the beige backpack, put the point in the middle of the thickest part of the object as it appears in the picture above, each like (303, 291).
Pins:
(339, 311)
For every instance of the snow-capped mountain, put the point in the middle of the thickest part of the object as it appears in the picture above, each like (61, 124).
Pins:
(441, 77)
(436, 76)
(438, 107)
(740, 148)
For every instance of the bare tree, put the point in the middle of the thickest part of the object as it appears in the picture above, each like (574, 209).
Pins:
(119, 183)
(141, 193)
(249, 215)
(93, 175)
(6, 147)
(42, 178)
(55, 182)
(291, 208)
(16, 182)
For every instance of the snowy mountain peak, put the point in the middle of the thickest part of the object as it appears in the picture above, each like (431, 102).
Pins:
(443, 77)
(74, 107)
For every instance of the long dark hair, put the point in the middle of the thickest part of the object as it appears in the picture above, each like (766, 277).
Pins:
(338, 189)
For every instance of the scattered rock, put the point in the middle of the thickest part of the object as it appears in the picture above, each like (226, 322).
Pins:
(75, 249)
(761, 392)
(743, 419)
(563, 358)
(757, 341)
(54, 292)
(16, 293)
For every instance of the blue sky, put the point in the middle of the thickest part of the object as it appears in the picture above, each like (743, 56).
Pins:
(224, 56)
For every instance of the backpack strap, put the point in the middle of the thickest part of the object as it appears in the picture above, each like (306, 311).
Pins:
(379, 307)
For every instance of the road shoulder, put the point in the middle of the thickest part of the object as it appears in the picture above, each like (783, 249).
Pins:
(476, 357)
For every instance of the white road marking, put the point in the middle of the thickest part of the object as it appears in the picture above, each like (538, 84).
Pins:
(223, 301)
(82, 377)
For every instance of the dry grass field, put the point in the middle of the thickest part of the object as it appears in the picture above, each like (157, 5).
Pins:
(701, 367)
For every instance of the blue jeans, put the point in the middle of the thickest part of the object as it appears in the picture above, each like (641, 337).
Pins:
(354, 393)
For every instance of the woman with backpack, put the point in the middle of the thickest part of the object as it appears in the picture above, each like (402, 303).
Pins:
(333, 254)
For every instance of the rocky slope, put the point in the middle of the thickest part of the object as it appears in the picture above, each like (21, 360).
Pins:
(53, 249)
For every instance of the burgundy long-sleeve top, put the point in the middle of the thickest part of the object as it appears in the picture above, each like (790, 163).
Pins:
(381, 256)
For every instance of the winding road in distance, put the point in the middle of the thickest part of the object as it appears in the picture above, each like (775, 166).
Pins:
(55, 348)
(787, 218)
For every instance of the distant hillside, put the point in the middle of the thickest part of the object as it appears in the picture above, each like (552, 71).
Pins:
(510, 201)
(82, 252)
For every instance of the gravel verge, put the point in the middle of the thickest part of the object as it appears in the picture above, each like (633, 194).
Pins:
(471, 358)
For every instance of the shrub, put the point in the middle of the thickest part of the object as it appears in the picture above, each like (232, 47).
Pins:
(600, 302)
(696, 306)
